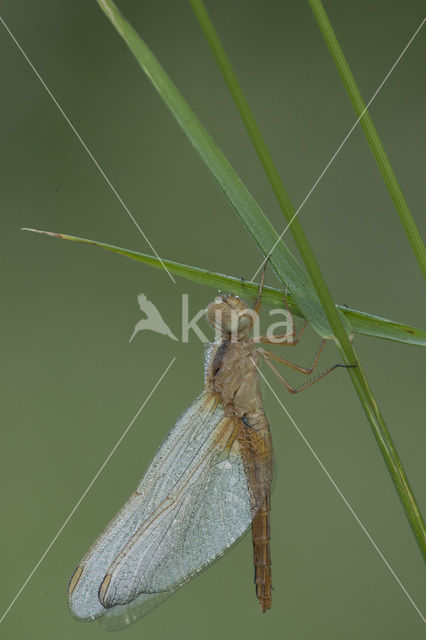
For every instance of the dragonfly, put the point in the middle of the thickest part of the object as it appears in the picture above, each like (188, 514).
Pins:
(209, 482)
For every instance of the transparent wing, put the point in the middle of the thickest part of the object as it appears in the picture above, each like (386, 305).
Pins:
(191, 506)
(122, 616)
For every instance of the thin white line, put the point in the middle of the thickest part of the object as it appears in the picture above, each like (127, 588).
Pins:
(342, 496)
(84, 494)
(90, 154)
(342, 143)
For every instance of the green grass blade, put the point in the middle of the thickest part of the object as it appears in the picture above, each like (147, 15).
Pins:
(374, 326)
(371, 134)
(334, 318)
(365, 394)
(320, 285)
(261, 230)
(362, 323)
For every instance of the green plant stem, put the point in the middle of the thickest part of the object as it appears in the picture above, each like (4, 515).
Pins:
(371, 134)
(285, 265)
(362, 323)
(357, 375)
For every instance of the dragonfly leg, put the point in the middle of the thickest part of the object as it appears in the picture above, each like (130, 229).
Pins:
(293, 365)
(258, 302)
(286, 339)
(291, 388)
(294, 334)
(283, 338)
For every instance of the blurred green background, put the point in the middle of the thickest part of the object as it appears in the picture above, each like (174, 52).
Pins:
(71, 381)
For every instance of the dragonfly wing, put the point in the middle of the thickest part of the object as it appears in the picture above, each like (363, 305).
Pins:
(209, 509)
(121, 616)
(191, 505)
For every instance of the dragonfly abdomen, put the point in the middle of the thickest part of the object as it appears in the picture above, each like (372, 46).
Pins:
(262, 555)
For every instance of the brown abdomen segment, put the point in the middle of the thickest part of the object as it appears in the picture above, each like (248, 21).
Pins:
(262, 554)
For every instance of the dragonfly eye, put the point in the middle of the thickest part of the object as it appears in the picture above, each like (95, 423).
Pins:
(227, 313)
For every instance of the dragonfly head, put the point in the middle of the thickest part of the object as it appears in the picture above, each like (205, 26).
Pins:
(230, 315)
